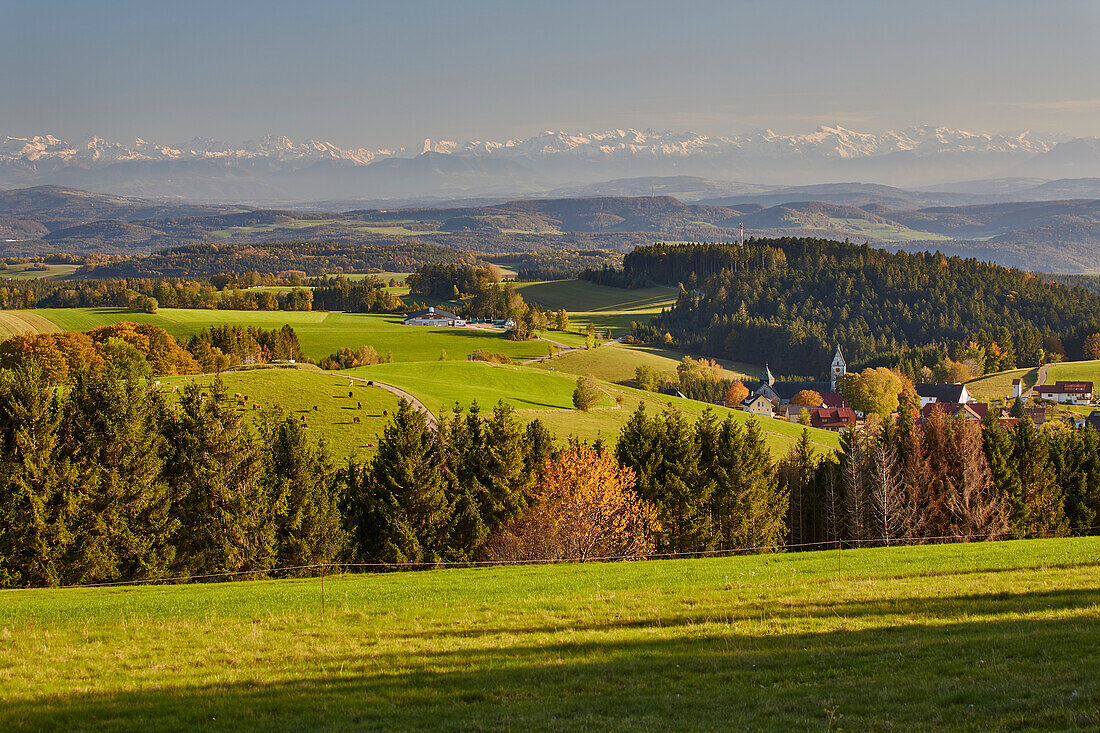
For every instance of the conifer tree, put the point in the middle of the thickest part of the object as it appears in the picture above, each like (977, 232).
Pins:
(300, 482)
(853, 468)
(124, 528)
(401, 502)
(1039, 509)
(37, 495)
(213, 470)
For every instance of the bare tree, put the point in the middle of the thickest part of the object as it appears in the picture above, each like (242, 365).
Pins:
(975, 508)
(855, 488)
(888, 499)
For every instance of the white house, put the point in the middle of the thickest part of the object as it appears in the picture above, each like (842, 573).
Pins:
(954, 393)
(1070, 393)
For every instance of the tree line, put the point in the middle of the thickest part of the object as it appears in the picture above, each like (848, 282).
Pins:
(946, 479)
(115, 479)
(149, 350)
(221, 292)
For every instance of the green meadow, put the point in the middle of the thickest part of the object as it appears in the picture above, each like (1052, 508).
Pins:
(548, 396)
(604, 307)
(321, 333)
(29, 271)
(968, 637)
(618, 362)
(998, 386)
(297, 391)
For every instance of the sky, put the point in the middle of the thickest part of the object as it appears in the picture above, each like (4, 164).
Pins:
(389, 74)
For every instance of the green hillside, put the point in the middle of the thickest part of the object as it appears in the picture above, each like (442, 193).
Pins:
(298, 391)
(321, 333)
(987, 636)
(999, 386)
(603, 306)
(548, 396)
(618, 362)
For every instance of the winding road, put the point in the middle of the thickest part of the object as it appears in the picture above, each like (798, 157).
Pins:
(433, 422)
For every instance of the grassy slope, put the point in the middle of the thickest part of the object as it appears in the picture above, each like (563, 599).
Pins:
(603, 306)
(617, 363)
(21, 272)
(548, 396)
(938, 637)
(1074, 370)
(320, 333)
(14, 323)
(998, 386)
(297, 391)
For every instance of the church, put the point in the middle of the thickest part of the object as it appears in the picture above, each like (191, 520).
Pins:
(782, 392)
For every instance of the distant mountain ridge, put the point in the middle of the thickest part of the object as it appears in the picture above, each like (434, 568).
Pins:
(275, 168)
(1056, 236)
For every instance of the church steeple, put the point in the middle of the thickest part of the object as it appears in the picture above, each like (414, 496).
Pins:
(768, 377)
(837, 368)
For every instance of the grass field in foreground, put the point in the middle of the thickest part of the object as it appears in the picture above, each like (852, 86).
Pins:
(548, 396)
(993, 636)
(297, 391)
(321, 333)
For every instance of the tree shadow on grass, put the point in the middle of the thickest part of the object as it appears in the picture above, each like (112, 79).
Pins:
(999, 673)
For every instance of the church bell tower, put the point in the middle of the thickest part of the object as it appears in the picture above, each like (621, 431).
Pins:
(837, 368)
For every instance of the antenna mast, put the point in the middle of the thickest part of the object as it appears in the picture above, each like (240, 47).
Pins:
(742, 233)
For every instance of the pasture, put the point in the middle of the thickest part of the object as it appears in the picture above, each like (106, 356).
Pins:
(548, 396)
(618, 362)
(15, 323)
(985, 636)
(1074, 371)
(998, 386)
(297, 392)
(30, 271)
(604, 307)
(321, 333)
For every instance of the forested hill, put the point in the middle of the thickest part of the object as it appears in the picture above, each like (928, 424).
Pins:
(789, 302)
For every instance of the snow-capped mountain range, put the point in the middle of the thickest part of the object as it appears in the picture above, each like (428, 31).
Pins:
(825, 142)
(275, 168)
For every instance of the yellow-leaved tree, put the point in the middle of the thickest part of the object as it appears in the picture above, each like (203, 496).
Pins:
(586, 509)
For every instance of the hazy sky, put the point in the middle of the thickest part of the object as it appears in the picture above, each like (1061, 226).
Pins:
(390, 73)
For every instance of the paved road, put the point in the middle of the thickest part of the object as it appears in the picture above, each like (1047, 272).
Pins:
(433, 422)
(1040, 382)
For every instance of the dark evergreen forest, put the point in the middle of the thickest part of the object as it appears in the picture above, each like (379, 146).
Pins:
(789, 302)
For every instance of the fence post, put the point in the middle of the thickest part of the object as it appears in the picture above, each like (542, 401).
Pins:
(322, 590)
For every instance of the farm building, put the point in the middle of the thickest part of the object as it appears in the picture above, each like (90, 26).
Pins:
(434, 317)
(954, 393)
(1071, 393)
(831, 418)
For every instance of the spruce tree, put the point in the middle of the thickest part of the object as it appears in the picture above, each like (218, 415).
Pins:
(1040, 510)
(402, 503)
(38, 490)
(213, 470)
(124, 528)
(301, 488)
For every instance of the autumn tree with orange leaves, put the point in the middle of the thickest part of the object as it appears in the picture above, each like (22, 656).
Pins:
(586, 510)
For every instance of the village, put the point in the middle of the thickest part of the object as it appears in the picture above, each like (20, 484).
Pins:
(820, 404)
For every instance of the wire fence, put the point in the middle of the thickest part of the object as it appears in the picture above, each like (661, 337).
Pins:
(322, 570)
